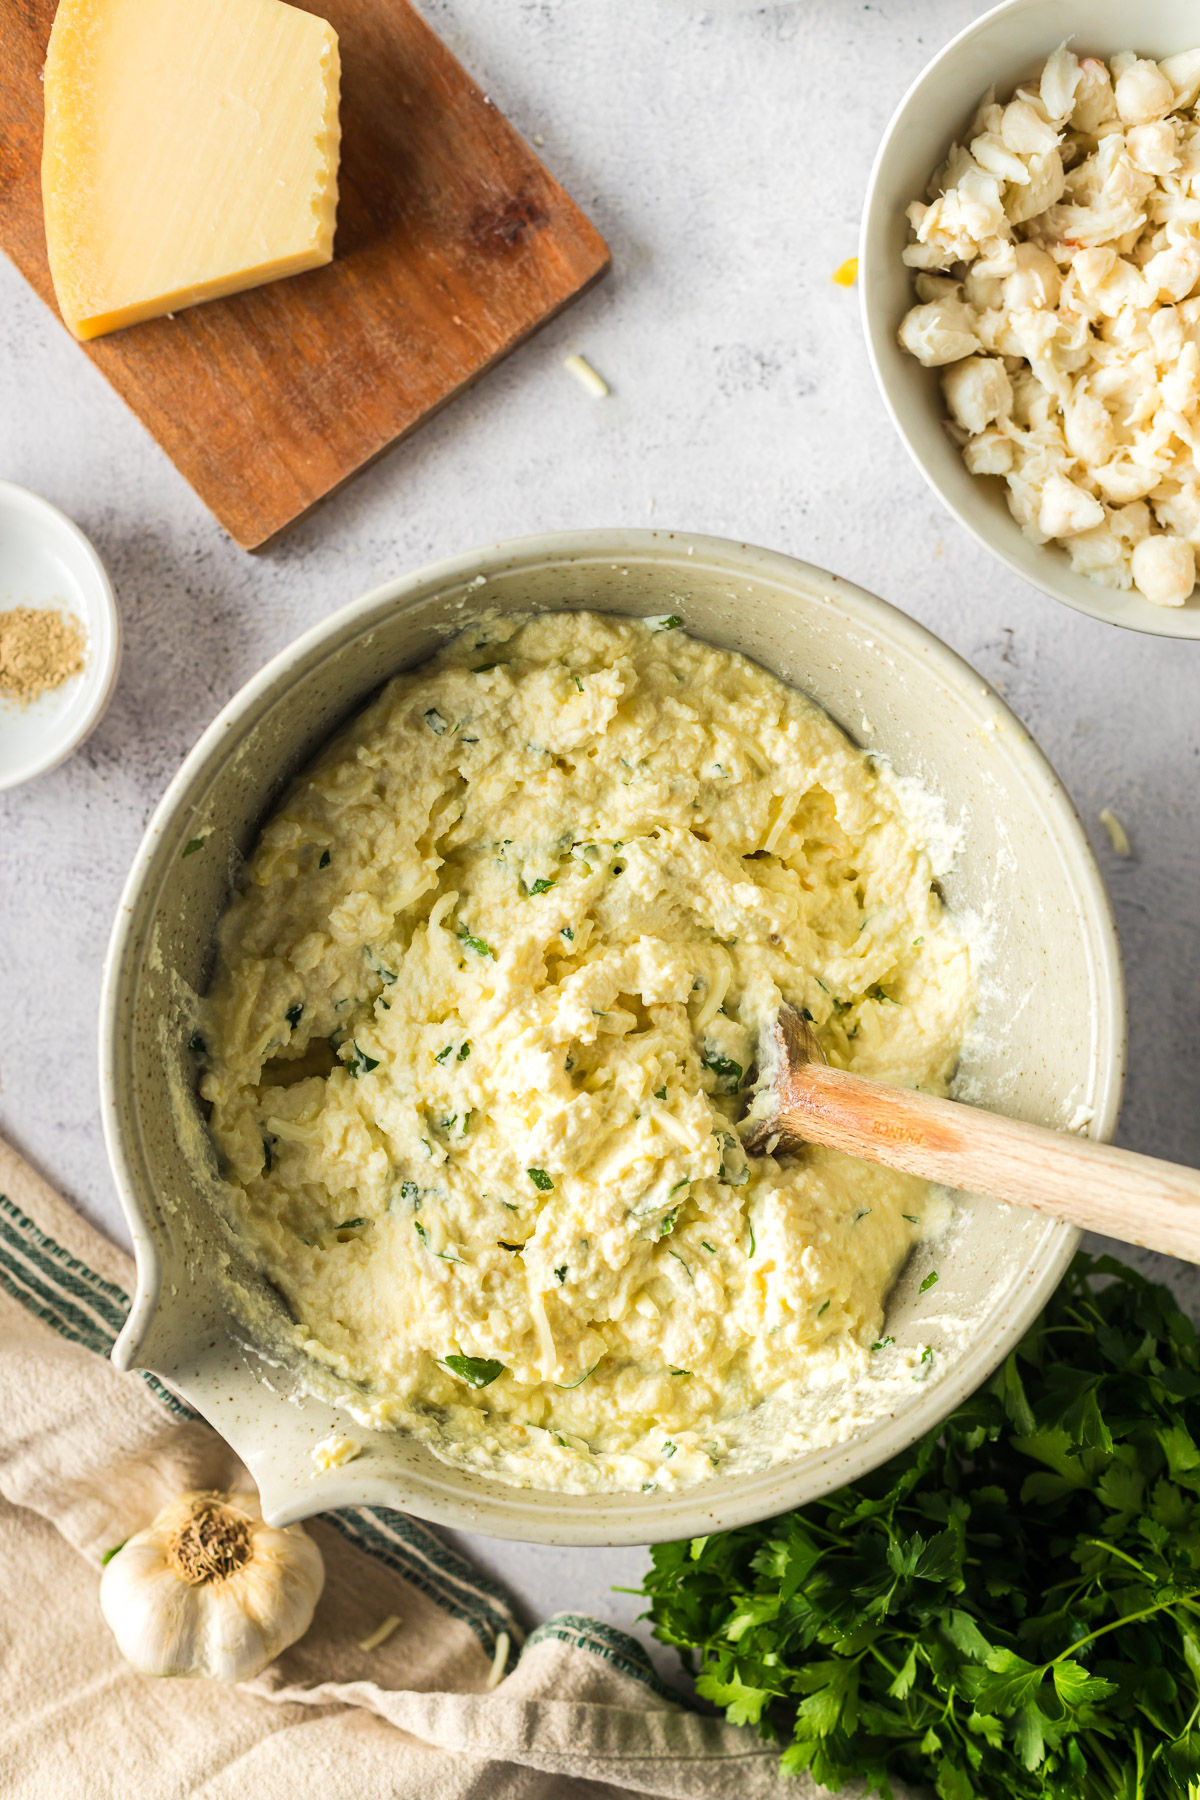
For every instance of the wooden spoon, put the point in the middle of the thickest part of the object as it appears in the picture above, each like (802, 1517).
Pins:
(800, 1099)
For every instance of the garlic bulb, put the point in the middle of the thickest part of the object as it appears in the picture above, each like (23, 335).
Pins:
(209, 1589)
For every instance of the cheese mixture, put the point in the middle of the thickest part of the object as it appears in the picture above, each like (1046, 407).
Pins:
(481, 1032)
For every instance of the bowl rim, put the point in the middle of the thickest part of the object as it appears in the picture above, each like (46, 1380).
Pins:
(1159, 621)
(691, 1512)
(105, 645)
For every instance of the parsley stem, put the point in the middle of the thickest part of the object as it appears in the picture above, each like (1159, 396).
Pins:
(1096, 1749)
(1103, 1544)
(837, 1539)
(1191, 1720)
(1126, 1619)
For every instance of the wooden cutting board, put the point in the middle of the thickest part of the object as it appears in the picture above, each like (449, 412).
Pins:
(453, 244)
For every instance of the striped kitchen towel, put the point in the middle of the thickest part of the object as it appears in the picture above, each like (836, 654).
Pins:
(449, 1706)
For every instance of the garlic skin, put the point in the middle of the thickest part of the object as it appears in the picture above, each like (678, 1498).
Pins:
(210, 1590)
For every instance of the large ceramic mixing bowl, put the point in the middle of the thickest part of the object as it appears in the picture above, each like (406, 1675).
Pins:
(1051, 1002)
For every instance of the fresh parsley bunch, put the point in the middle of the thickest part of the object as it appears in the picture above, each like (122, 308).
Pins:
(1010, 1610)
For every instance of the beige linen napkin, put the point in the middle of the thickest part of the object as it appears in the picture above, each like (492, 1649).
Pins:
(88, 1455)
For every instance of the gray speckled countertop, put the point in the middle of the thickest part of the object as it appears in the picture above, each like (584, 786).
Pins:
(723, 149)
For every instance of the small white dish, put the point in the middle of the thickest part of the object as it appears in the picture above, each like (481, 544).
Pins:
(999, 50)
(46, 561)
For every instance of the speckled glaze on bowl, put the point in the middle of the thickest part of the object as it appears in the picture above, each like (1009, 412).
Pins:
(1052, 1003)
(1001, 49)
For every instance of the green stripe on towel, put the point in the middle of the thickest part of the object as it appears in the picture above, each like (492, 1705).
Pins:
(608, 1641)
(32, 1265)
(380, 1532)
(68, 1296)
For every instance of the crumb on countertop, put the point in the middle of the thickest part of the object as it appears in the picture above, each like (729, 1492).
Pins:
(1116, 831)
(588, 377)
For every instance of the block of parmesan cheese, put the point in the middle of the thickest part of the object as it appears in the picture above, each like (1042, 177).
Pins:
(191, 150)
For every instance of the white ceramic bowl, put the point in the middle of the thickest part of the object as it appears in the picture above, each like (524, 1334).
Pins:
(1051, 999)
(45, 561)
(1000, 49)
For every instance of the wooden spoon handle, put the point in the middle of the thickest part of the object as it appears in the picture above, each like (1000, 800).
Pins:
(1137, 1199)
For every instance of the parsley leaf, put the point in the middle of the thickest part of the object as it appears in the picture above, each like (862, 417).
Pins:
(476, 1371)
(1010, 1608)
(442, 1255)
(540, 1180)
(724, 1068)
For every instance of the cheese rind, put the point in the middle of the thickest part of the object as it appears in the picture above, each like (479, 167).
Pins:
(190, 151)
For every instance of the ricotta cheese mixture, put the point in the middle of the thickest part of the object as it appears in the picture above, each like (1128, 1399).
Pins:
(483, 1020)
(1060, 291)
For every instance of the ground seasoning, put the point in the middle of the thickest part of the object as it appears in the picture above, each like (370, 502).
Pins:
(39, 650)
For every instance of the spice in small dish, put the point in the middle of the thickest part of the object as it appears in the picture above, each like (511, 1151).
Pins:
(40, 649)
